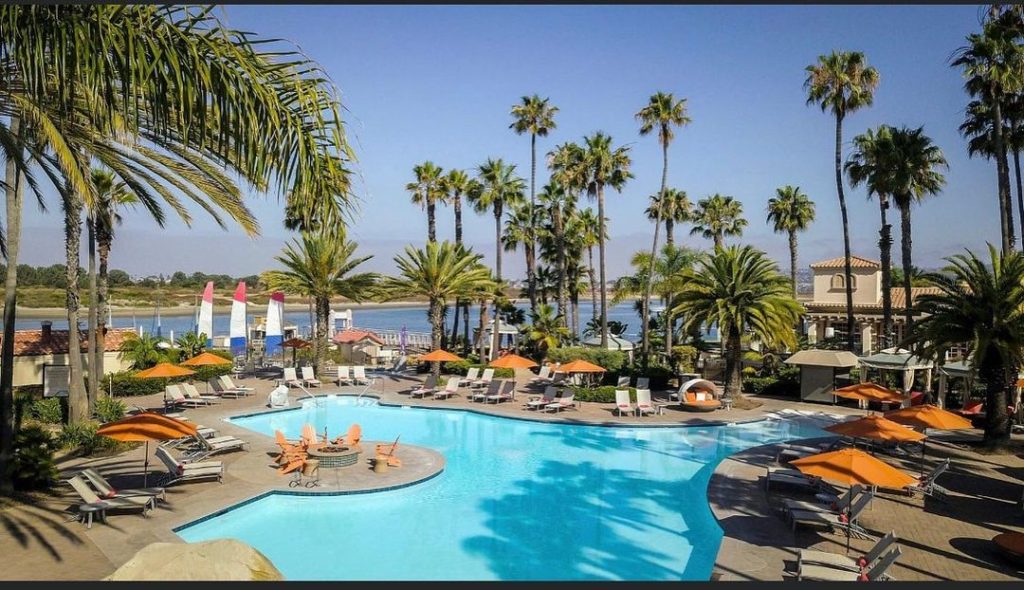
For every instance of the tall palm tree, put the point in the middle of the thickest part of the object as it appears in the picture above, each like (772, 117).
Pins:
(587, 229)
(718, 216)
(790, 211)
(869, 165)
(661, 114)
(560, 195)
(321, 266)
(992, 61)
(915, 175)
(842, 83)
(519, 231)
(740, 290)
(602, 166)
(441, 271)
(981, 303)
(673, 207)
(533, 115)
(455, 185)
(426, 191)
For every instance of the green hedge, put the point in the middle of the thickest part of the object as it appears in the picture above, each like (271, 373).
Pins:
(787, 382)
(604, 394)
(463, 367)
(126, 384)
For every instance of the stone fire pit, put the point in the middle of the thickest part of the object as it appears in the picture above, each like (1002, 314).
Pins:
(334, 456)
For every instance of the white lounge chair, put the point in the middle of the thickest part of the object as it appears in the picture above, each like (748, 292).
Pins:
(174, 393)
(213, 446)
(812, 557)
(359, 375)
(182, 471)
(485, 380)
(192, 393)
(536, 402)
(643, 401)
(506, 393)
(224, 391)
(451, 388)
(623, 382)
(563, 403)
(471, 376)
(108, 491)
(492, 389)
(230, 384)
(643, 382)
(829, 574)
(622, 401)
(542, 377)
(140, 503)
(290, 378)
(344, 376)
(308, 378)
(426, 388)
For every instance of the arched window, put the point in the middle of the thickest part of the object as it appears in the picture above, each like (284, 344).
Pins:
(853, 282)
(838, 282)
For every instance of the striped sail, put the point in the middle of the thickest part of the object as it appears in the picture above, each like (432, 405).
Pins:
(238, 320)
(206, 315)
(275, 319)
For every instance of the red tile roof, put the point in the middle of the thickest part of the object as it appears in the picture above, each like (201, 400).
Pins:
(32, 342)
(352, 336)
(840, 262)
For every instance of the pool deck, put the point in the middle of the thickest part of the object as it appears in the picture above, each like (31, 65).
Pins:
(38, 536)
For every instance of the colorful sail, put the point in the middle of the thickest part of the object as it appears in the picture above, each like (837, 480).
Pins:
(275, 319)
(238, 337)
(205, 325)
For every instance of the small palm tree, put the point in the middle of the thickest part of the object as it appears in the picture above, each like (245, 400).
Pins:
(673, 207)
(427, 191)
(533, 115)
(842, 83)
(441, 271)
(586, 228)
(790, 211)
(191, 344)
(546, 331)
(981, 303)
(320, 265)
(519, 231)
(142, 352)
(718, 216)
(740, 290)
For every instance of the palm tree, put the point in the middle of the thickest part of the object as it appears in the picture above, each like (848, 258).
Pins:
(321, 265)
(519, 231)
(560, 195)
(991, 62)
(142, 352)
(790, 211)
(914, 176)
(191, 344)
(602, 166)
(455, 185)
(674, 207)
(426, 191)
(535, 116)
(441, 271)
(842, 83)
(546, 330)
(980, 303)
(740, 290)
(662, 113)
(718, 216)
(586, 227)
(869, 164)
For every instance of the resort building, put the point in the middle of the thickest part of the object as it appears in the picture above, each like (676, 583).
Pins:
(826, 308)
(361, 347)
(43, 354)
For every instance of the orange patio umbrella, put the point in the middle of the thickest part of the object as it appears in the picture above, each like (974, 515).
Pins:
(145, 427)
(164, 371)
(440, 355)
(929, 416)
(850, 466)
(512, 361)
(876, 427)
(580, 366)
(206, 358)
(870, 392)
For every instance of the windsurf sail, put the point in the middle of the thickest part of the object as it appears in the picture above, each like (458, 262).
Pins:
(275, 319)
(238, 336)
(206, 315)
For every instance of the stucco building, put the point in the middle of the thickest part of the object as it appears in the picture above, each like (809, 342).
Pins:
(35, 350)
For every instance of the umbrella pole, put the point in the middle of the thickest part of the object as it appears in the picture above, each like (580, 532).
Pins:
(924, 447)
(145, 468)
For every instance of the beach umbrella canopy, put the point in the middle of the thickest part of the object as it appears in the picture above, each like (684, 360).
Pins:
(580, 366)
(929, 416)
(876, 427)
(850, 466)
(870, 392)
(440, 356)
(145, 427)
(164, 371)
(512, 361)
(206, 358)
(296, 343)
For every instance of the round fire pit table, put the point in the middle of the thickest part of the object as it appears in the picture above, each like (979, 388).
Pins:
(334, 456)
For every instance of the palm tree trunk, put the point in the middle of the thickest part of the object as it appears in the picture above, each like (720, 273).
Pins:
(733, 364)
(531, 269)
(14, 197)
(480, 339)
(792, 260)
(999, 382)
(457, 205)
(1003, 173)
(847, 267)
(1020, 192)
(465, 327)
(669, 329)
(556, 221)
(455, 324)
(670, 231)
(431, 220)
(646, 316)
(908, 312)
(719, 240)
(323, 314)
(885, 249)
(93, 351)
(601, 263)
(436, 330)
(495, 333)
(78, 401)
(102, 302)
(593, 284)
(459, 304)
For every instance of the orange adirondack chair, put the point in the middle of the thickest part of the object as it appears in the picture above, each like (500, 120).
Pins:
(352, 438)
(310, 440)
(385, 452)
(288, 450)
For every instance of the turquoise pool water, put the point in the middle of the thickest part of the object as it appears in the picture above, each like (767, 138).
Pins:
(518, 500)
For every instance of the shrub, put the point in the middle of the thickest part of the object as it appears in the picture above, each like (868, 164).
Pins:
(786, 382)
(463, 367)
(612, 360)
(126, 384)
(109, 409)
(685, 358)
(23, 401)
(48, 410)
(658, 376)
(32, 466)
(83, 439)
(604, 394)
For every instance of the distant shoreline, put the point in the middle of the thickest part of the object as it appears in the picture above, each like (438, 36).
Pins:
(56, 313)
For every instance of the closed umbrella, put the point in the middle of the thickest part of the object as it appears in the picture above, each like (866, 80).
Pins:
(403, 340)
(145, 427)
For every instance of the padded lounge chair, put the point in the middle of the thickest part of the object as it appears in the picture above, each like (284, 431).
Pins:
(563, 403)
(543, 376)
(830, 574)
(290, 378)
(191, 392)
(359, 375)
(643, 401)
(451, 388)
(807, 517)
(224, 391)
(492, 389)
(308, 378)
(140, 503)
(795, 478)
(343, 377)
(840, 506)
(812, 557)
(230, 384)
(214, 446)
(428, 387)
(471, 376)
(643, 382)
(484, 380)
(107, 491)
(622, 402)
(181, 471)
(536, 402)
(505, 394)
(699, 402)
(174, 393)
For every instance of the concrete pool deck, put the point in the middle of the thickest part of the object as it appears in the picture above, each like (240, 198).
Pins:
(37, 537)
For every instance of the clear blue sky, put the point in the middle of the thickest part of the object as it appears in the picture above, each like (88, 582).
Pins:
(437, 83)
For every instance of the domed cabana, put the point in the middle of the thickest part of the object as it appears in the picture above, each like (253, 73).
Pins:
(698, 395)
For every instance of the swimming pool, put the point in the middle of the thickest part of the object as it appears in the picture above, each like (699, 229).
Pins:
(518, 500)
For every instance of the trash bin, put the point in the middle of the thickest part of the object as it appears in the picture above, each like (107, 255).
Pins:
(380, 464)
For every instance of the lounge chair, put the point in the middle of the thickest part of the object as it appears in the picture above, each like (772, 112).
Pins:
(507, 393)
(399, 366)
(623, 382)
(788, 451)
(878, 571)
(222, 390)
(174, 393)
(485, 380)
(926, 485)
(182, 471)
(290, 378)
(563, 403)
(622, 402)
(543, 376)
(795, 478)
(840, 506)
(308, 378)
(140, 503)
(471, 376)
(230, 384)
(343, 377)
(643, 401)
(107, 491)
(213, 446)
(426, 388)
(192, 393)
(812, 557)
(540, 401)
(834, 521)
(643, 382)
(359, 375)
(451, 388)
(492, 389)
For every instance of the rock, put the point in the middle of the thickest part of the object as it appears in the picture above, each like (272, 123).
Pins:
(220, 559)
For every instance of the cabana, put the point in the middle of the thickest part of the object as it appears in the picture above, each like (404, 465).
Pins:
(957, 370)
(820, 370)
(898, 359)
(698, 395)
